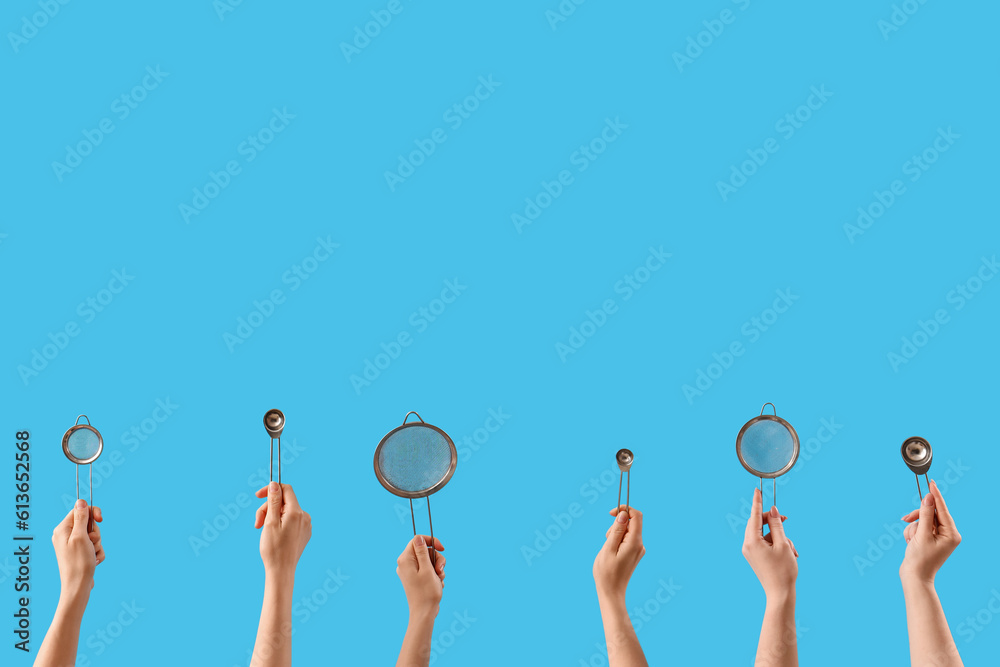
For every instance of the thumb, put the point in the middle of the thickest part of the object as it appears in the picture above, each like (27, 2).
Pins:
(777, 529)
(273, 517)
(925, 526)
(81, 516)
(423, 555)
(617, 532)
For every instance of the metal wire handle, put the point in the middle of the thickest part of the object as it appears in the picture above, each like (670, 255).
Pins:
(433, 551)
(628, 485)
(772, 407)
(271, 462)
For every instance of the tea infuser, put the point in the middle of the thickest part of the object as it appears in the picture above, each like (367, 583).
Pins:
(274, 424)
(624, 458)
(917, 456)
(416, 460)
(82, 444)
(767, 446)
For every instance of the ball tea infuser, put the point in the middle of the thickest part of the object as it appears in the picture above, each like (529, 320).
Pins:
(416, 460)
(82, 444)
(917, 455)
(274, 424)
(767, 446)
(624, 457)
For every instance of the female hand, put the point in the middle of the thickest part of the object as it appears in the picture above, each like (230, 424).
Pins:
(422, 581)
(287, 528)
(772, 556)
(621, 553)
(929, 542)
(78, 553)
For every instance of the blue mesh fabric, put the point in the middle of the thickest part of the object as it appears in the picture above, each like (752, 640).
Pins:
(415, 458)
(767, 446)
(83, 444)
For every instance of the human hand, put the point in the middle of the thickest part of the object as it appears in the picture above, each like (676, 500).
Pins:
(286, 528)
(621, 553)
(78, 553)
(929, 542)
(772, 556)
(423, 582)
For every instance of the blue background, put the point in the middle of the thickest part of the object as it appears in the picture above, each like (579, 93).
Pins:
(494, 348)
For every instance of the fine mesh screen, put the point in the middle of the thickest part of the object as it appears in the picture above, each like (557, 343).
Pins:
(415, 458)
(83, 444)
(767, 446)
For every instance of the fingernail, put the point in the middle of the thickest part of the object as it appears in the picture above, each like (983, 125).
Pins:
(774, 512)
(273, 486)
(81, 503)
(420, 541)
(622, 517)
(928, 500)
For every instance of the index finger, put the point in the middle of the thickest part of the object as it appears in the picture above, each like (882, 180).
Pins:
(943, 515)
(755, 524)
(289, 498)
(65, 526)
(633, 529)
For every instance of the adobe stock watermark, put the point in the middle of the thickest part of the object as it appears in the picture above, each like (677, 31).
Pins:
(87, 311)
(224, 7)
(295, 276)
(627, 286)
(364, 34)
(230, 511)
(102, 639)
(900, 14)
(467, 445)
(445, 639)
(808, 450)
(786, 126)
(454, 116)
(972, 625)
(47, 10)
(419, 321)
(641, 615)
(751, 330)
(703, 39)
(122, 107)
(590, 492)
(562, 12)
(927, 329)
(875, 549)
(914, 168)
(249, 150)
(581, 159)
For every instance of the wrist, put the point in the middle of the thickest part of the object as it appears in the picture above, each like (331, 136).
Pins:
(423, 615)
(74, 600)
(781, 599)
(913, 583)
(611, 601)
(279, 578)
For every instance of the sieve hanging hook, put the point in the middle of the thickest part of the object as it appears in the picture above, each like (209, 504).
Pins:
(413, 412)
(82, 444)
(624, 457)
(763, 407)
(274, 424)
